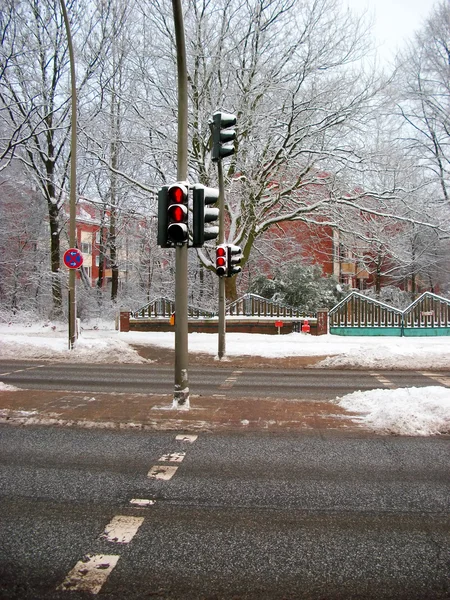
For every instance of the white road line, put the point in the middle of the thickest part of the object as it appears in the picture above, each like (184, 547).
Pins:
(384, 380)
(231, 380)
(442, 380)
(22, 370)
(142, 502)
(89, 574)
(162, 472)
(122, 529)
(186, 438)
(172, 457)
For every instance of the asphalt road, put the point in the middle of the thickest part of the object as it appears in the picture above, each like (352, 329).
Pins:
(307, 384)
(244, 516)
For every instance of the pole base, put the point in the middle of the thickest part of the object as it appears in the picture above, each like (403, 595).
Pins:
(181, 400)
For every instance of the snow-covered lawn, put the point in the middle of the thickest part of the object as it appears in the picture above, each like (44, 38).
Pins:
(408, 411)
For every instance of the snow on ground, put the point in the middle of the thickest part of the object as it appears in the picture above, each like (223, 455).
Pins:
(407, 411)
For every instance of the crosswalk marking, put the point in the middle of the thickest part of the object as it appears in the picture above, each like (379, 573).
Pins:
(89, 574)
(122, 529)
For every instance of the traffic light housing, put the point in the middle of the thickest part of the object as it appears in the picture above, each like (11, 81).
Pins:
(221, 260)
(234, 257)
(173, 215)
(204, 215)
(162, 218)
(177, 214)
(222, 135)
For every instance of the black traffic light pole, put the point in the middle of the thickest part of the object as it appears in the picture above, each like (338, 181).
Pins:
(221, 240)
(222, 136)
(181, 390)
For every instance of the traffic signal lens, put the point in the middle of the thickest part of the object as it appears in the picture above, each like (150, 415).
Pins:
(221, 252)
(176, 194)
(220, 262)
(177, 213)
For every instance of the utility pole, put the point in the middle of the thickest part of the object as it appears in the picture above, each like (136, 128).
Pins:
(181, 390)
(73, 183)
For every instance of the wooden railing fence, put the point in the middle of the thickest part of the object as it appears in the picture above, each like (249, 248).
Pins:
(249, 305)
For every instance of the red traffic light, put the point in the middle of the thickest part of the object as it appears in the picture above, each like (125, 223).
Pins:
(177, 213)
(221, 261)
(177, 194)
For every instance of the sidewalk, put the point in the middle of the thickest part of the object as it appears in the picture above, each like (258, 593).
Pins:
(155, 412)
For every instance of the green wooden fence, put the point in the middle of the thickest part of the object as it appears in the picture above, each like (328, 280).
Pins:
(360, 315)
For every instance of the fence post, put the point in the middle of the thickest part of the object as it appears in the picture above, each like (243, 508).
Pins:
(124, 320)
(322, 321)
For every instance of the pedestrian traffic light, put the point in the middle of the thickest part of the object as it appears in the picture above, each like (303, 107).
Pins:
(234, 257)
(221, 260)
(204, 215)
(222, 136)
(177, 214)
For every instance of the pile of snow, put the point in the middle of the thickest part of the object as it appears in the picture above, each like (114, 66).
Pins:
(341, 352)
(50, 342)
(4, 387)
(104, 344)
(405, 411)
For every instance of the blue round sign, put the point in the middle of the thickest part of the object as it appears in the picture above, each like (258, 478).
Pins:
(73, 259)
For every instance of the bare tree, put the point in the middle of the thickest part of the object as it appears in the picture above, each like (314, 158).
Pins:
(424, 84)
(35, 102)
(292, 74)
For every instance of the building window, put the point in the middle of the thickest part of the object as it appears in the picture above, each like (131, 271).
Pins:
(86, 248)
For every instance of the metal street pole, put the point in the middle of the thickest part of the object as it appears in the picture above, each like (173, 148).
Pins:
(222, 321)
(73, 182)
(181, 391)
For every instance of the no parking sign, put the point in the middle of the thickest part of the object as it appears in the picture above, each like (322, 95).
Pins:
(73, 259)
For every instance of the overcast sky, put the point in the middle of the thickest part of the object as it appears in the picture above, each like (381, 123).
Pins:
(395, 20)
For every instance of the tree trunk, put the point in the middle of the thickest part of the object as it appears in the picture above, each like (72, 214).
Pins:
(113, 254)
(55, 260)
(101, 252)
(230, 289)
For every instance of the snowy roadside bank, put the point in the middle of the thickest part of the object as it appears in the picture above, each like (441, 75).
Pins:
(105, 344)
(405, 411)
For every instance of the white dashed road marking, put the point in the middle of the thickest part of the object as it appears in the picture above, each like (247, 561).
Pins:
(230, 381)
(162, 472)
(22, 370)
(142, 502)
(442, 380)
(122, 529)
(186, 438)
(173, 457)
(89, 574)
(384, 380)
